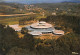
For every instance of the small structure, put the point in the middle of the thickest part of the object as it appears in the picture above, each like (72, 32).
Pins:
(57, 8)
(75, 53)
(15, 27)
(58, 32)
(54, 13)
(42, 27)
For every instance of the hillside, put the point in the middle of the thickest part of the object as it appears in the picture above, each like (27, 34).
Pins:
(22, 43)
(11, 13)
(67, 8)
(12, 8)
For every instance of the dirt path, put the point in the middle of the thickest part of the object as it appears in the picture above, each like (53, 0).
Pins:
(18, 14)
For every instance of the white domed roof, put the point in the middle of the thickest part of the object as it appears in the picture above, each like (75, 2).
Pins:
(41, 24)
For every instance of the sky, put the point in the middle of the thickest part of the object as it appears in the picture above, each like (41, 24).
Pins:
(39, 1)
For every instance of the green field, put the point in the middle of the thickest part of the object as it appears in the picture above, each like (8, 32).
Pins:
(15, 20)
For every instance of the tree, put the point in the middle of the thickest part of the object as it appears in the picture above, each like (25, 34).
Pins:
(8, 38)
(69, 43)
(20, 51)
(24, 30)
(27, 42)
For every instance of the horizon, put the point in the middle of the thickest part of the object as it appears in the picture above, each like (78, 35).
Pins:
(39, 1)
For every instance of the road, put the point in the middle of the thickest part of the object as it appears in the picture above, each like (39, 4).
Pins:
(17, 14)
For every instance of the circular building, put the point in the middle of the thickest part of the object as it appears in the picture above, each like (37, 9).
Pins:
(40, 27)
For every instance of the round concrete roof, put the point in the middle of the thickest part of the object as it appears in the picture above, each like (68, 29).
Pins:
(41, 25)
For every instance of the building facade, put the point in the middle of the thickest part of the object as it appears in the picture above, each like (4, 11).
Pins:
(40, 28)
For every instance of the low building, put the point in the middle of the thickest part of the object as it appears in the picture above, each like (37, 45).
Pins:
(58, 32)
(54, 13)
(40, 28)
(15, 27)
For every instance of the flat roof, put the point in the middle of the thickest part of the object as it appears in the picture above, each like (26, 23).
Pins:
(15, 27)
(58, 32)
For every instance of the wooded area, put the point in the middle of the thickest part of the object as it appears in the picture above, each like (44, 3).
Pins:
(11, 44)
